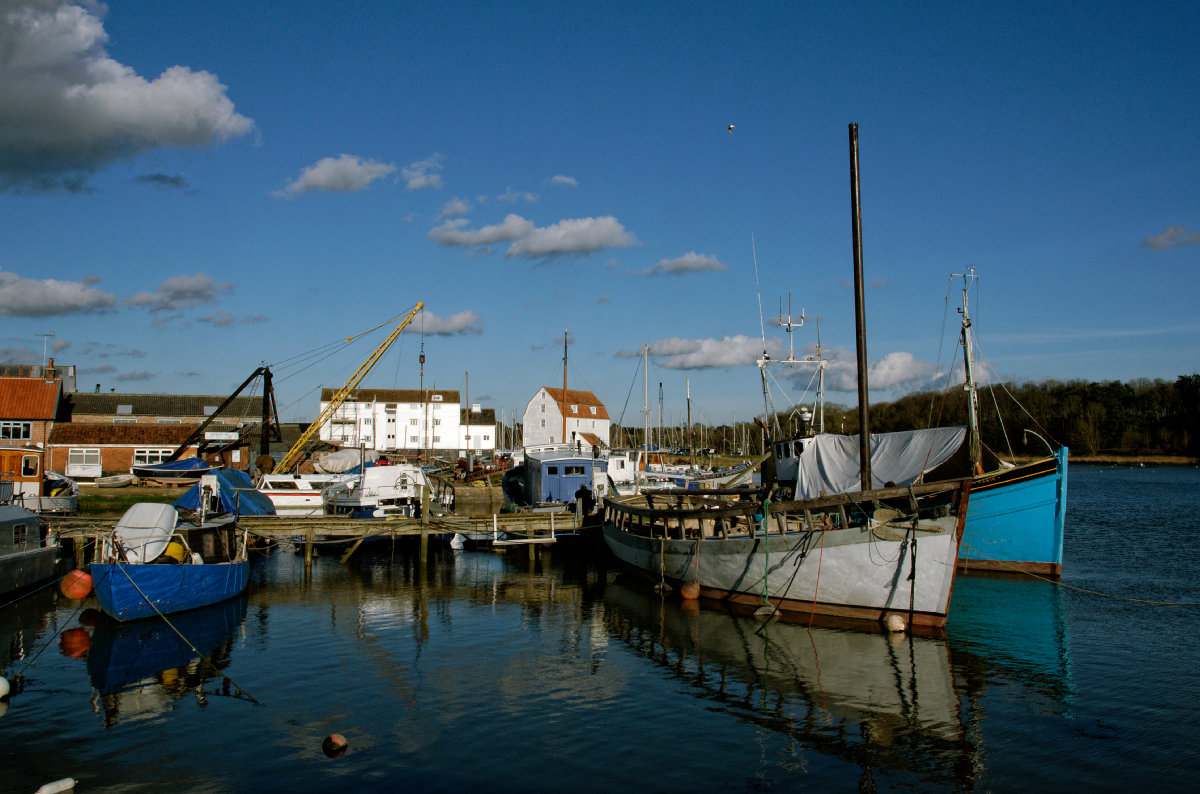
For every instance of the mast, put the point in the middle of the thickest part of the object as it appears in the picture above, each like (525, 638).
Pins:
(564, 399)
(968, 342)
(691, 442)
(860, 319)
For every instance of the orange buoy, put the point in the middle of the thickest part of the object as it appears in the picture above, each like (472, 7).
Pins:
(334, 745)
(76, 585)
(75, 643)
(689, 591)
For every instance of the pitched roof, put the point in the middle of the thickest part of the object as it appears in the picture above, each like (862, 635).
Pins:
(29, 398)
(131, 434)
(485, 416)
(110, 404)
(577, 398)
(394, 395)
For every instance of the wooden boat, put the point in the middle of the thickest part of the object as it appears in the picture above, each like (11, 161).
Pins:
(162, 558)
(852, 558)
(880, 556)
(114, 481)
(35, 486)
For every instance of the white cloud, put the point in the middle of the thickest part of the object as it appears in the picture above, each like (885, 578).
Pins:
(67, 109)
(1173, 237)
(898, 372)
(511, 196)
(343, 174)
(573, 236)
(25, 297)
(451, 233)
(452, 208)
(423, 174)
(180, 292)
(730, 351)
(429, 324)
(563, 181)
(222, 319)
(690, 262)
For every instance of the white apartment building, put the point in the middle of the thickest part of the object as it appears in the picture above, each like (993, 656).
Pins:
(409, 422)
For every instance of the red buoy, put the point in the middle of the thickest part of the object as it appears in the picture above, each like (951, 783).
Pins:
(334, 745)
(689, 591)
(76, 585)
(75, 643)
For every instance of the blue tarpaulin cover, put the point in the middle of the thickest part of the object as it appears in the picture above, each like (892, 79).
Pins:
(237, 494)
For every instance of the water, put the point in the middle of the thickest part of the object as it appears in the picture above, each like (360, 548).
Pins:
(488, 672)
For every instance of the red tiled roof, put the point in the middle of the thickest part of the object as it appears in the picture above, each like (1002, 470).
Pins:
(575, 397)
(28, 398)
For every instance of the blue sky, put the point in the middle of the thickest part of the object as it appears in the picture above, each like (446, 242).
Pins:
(188, 191)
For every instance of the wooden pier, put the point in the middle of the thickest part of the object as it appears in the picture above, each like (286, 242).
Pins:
(498, 530)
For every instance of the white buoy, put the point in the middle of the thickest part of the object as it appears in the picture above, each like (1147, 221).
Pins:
(896, 624)
(4, 688)
(58, 786)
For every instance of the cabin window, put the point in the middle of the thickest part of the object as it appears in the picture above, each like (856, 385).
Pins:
(143, 456)
(552, 470)
(16, 430)
(574, 470)
(29, 465)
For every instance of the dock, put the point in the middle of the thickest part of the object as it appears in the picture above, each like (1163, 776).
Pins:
(498, 530)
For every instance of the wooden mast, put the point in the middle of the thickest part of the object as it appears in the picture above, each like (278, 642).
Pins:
(564, 397)
(860, 319)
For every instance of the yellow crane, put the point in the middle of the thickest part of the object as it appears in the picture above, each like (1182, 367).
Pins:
(297, 451)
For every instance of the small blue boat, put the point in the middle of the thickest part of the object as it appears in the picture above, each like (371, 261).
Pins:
(164, 558)
(176, 471)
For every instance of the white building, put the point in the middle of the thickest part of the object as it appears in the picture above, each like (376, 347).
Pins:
(587, 422)
(409, 422)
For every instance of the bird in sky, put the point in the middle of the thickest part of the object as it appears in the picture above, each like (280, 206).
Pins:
(731, 129)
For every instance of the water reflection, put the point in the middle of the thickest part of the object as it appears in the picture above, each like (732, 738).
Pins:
(881, 702)
(139, 669)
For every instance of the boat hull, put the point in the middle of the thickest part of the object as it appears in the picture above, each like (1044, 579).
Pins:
(844, 575)
(1015, 519)
(132, 591)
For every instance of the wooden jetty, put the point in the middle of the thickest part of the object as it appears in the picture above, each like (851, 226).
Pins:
(498, 530)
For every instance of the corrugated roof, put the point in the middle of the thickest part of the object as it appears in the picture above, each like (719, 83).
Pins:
(29, 398)
(200, 405)
(575, 397)
(393, 395)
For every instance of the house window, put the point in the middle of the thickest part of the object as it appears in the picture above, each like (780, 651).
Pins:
(209, 410)
(437, 421)
(413, 439)
(412, 422)
(543, 408)
(436, 439)
(124, 410)
(142, 457)
(83, 457)
(168, 421)
(543, 423)
(486, 437)
(414, 406)
(16, 430)
(124, 421)
(593, 410)
(437, 398)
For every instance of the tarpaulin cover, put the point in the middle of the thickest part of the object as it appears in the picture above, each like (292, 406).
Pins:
(829, 464)
(237, 493)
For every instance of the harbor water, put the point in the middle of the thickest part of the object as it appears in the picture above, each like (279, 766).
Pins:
(512, 672)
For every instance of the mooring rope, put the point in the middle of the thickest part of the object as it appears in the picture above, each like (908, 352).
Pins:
(1014, 569)
(217, 670)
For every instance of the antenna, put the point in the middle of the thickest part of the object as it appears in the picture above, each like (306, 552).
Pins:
(45, 335)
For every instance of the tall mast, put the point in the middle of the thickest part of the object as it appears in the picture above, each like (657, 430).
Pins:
(564, 399)
(860, 319)
(646, 398)
(968, 342)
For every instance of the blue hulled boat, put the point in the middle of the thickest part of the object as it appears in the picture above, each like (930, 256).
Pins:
(168, 558)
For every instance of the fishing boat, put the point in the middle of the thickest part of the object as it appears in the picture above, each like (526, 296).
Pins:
(26, 559)
(175, 472)
(162, 558)
(882, 556)
(1017, 512)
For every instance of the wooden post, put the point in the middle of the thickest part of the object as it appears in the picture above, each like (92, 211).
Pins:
(308, 548)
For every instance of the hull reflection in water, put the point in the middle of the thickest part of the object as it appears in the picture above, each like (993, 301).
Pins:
(148, 659)
(881, 702)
